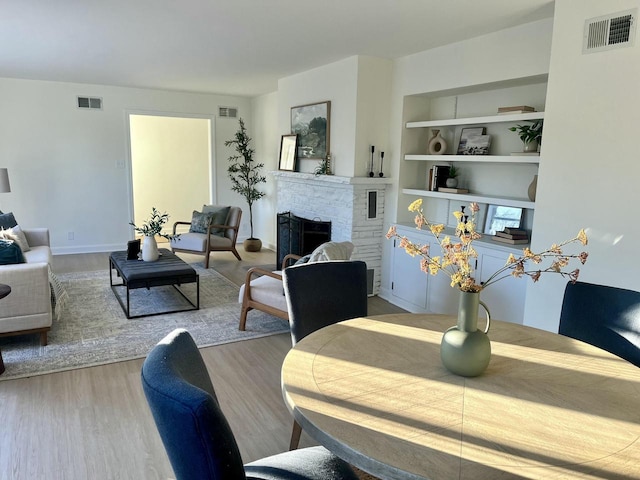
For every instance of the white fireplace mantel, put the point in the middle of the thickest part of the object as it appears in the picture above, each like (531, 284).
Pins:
(306, 177)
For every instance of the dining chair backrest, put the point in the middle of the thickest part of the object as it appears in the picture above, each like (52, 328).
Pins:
(193, 428)
(324, 293)
(607, 317)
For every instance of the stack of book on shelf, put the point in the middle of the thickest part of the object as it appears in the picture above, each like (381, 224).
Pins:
(438, 175)
(516, 109)
(452, 190)
(512, 236)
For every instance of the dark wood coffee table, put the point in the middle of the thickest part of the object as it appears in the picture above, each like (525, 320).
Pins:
(167, 270)
(4, 291)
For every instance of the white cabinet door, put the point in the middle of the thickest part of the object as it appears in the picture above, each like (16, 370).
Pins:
(408, 283)
(505, 298)
(442, 297)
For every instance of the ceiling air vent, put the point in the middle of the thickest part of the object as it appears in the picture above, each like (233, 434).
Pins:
(93, 103)
(229, 112)
(610, 31)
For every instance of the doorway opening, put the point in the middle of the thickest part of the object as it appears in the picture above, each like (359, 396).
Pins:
(172, 166)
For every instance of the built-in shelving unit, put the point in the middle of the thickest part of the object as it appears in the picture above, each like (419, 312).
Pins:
(475, 158)
(470, 197)
(454, 122)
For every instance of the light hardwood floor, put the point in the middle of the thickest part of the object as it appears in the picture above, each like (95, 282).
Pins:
(94, 423)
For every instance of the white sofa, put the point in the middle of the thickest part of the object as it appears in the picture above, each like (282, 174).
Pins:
(27, 309)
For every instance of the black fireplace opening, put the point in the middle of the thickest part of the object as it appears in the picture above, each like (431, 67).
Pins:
(299, 235)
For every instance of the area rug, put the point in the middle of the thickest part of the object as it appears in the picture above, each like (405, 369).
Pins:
(93, 329)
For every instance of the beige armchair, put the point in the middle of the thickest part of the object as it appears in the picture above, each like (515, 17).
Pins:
(221, 236)
(263, 290)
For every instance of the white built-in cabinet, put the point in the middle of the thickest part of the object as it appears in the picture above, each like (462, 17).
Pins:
(419, 292)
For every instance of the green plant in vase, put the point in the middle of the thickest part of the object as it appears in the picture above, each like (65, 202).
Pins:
(531, 135)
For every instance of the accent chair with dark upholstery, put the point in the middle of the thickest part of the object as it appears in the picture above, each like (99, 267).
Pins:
(321, 294)
(195, 432)
(215, 229)
(607, 317)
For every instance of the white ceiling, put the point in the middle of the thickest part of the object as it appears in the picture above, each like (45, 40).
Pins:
(239, 47)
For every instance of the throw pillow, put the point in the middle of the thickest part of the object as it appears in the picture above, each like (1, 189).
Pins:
(10, 252)
(200, 222)
(17, 235)
(219, 218)
(7, 220)
(303, 260)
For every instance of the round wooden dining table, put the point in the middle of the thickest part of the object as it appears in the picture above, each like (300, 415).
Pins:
(374, 391)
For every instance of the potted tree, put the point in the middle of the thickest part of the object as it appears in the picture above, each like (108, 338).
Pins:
(245, 177)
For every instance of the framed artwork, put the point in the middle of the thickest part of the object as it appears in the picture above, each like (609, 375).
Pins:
(288, 146)
(477, 145)
(499, 217)
(311, 124)
(464, 136)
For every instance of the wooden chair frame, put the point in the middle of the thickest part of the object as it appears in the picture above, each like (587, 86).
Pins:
(249, 303)
(212, 248)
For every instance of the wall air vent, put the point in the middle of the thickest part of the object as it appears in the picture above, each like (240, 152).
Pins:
(228, 112)
(610, 31)
(91, 103)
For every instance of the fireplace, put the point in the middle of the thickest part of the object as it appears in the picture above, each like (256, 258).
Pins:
(299, 236)
(353, 205)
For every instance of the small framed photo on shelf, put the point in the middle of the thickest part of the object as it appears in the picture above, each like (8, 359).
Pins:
(500, 217)
(477, 145)
(464, 136)
(288, 148)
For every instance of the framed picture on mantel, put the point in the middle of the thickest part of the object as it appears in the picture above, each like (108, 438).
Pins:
(288, 145)
(311, 124)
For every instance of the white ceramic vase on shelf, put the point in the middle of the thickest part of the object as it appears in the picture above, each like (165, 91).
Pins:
(150, 249)
(437, 144)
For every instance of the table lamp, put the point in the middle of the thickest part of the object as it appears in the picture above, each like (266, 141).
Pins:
(5, 187)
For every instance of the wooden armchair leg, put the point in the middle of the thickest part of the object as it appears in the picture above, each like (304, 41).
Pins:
(295, 436)
(206, 259)
(235, 252)
(243, 318)
(43, 338)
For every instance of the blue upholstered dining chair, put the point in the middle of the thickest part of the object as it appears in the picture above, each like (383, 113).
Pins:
(607, 317)
(321, 294)
(195, 432)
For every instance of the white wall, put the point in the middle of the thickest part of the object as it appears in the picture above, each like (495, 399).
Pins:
(266, 136)
(69, 168)
(590, 162)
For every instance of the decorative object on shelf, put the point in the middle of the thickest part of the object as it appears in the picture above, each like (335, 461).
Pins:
(150, 228)
(133, 249)
(500, 217)
(437, 144)
(465, 350)
(533, 186)
(516, 109)
(311, 123)
(464, 136)
(452, 177)
(288, 153)
(245, 176)
(371, 165)
(456, 258)
(381, 174)
(477, 145)
(324, 167)
(531, 135)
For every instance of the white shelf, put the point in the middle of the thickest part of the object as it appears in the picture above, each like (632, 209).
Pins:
(535, 159)
(470, 197)
(452, 122)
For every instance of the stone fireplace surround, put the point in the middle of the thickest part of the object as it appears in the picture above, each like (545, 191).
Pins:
(356, 214)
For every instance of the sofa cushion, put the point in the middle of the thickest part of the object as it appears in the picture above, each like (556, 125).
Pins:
(220, 215)
(39, 254)
(17, 235)
(200, 222)
(10, 252)
(7, 220)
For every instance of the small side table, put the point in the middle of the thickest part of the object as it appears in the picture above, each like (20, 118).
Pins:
(4, 291)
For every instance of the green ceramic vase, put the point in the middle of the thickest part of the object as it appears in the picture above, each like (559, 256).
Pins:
(464, 349)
